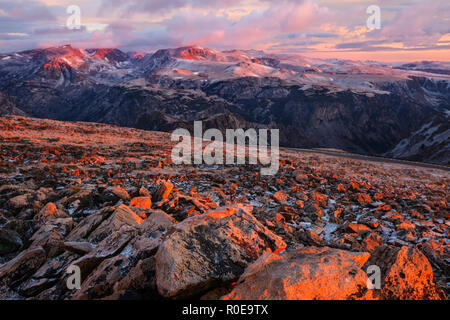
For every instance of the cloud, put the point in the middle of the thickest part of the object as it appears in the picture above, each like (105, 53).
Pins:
(278, 25)
(26, 11)
(129, 7)
(418, 24)
(62, 30)
(281, 18)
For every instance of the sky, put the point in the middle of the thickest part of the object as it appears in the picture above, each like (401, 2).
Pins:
(410, 30)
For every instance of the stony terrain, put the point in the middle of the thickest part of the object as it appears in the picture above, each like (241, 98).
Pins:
(108, 200)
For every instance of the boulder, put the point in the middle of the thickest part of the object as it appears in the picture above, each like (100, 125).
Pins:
(138, 283)
(304, 274)
(55, 267)
(157, 222)
(111, 246)
(406, 274)
(20, 202)
(121, 193)
(211, 248)
(50, 212)
(33, 287)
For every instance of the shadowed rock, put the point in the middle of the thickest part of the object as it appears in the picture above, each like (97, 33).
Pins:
(212, 248)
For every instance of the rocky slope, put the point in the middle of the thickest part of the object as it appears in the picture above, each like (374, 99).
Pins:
(361, 107)
(110, 201)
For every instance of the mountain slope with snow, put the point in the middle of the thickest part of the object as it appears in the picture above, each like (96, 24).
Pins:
(364, 107)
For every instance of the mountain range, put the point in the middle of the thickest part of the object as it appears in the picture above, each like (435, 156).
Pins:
(397, 110)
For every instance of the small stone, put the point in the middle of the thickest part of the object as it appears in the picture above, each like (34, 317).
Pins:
(406, 225)
(364, 198)
(121, 193)
(280, 196)
(373, 224)
(164, 191)
(410, 237)
(78, 247)
(359, 228)
(141, 203)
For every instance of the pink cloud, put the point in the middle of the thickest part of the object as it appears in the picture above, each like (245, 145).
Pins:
(280, 18)
(421, 23)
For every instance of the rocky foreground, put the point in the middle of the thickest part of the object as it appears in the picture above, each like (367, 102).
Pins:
(109, 200)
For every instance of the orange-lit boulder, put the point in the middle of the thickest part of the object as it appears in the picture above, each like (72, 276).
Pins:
(50, 212)
(211, 248)
(304, 274)
(406, 274)
(325, 273)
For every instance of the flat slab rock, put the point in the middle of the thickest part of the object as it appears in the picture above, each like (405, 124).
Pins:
(16, 270)
(206, 250)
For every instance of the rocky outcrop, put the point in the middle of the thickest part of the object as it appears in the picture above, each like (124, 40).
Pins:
(210, 249)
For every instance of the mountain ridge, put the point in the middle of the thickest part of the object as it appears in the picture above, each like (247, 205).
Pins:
(362, 107)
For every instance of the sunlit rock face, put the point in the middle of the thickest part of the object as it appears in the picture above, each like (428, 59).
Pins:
(332, 274)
